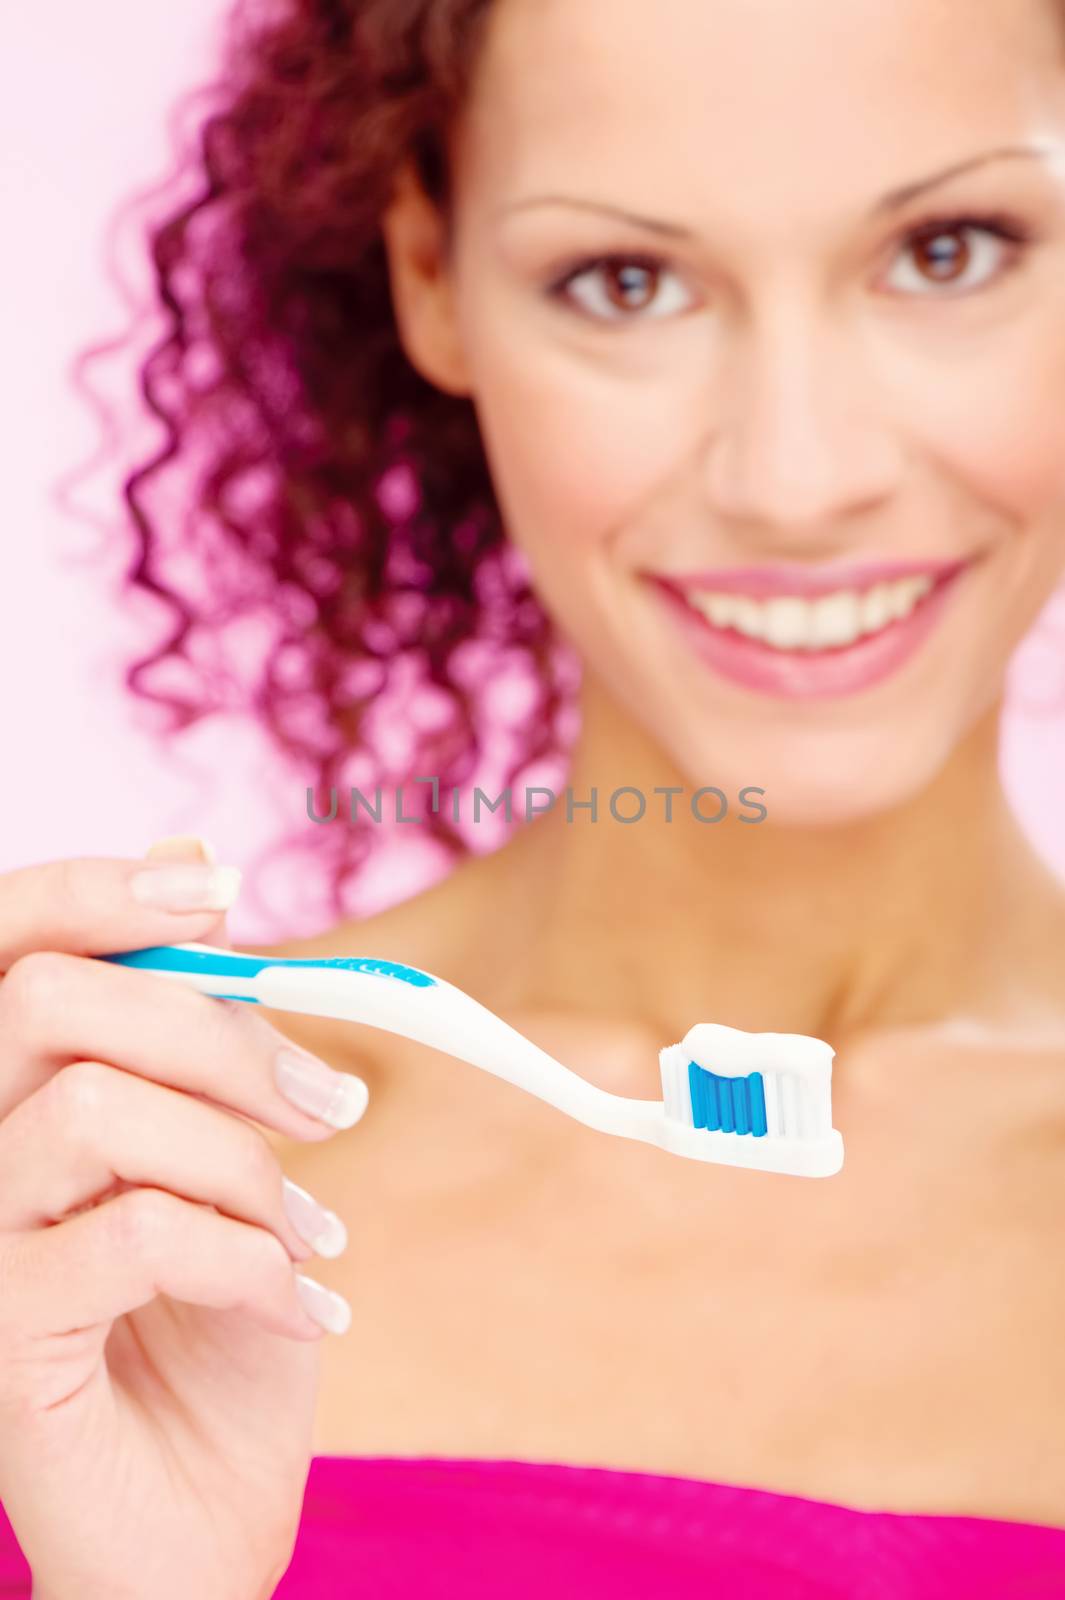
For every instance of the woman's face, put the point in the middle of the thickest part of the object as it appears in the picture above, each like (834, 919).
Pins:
(818, 353)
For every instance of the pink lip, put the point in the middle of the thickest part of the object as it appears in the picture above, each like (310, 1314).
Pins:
(764, 582)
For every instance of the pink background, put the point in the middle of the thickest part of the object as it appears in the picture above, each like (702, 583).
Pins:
(84, 120)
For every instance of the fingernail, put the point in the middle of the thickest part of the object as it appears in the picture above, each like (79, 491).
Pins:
(330, 1311)
(333, 1097)
(186, 887)
(186, 841)
(322, 1229)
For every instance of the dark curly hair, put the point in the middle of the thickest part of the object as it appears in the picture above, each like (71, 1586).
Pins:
(338, 494)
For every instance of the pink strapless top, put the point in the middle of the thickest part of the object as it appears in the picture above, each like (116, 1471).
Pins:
(383, 1528)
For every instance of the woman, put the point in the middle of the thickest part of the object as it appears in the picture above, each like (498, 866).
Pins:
(758, 314)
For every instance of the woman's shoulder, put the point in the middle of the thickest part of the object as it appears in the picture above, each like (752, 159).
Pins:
(440, 928)
(1033, 997)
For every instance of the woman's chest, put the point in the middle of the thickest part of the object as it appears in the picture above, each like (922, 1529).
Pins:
(888, 1343)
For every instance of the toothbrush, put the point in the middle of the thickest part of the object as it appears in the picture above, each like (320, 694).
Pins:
(756, 1100)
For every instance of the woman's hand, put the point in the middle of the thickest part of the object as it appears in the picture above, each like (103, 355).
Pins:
(158, 1344)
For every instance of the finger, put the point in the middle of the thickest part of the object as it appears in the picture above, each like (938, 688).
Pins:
(92, 1126)
(182, 846)
(100, 905)
(56, 1009)
(192, 847)
(118, 1256)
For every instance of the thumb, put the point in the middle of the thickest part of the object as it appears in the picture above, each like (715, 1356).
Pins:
(190, 847)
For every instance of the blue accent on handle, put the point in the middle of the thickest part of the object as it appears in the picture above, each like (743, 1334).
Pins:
(170, 958)
(727, 1105)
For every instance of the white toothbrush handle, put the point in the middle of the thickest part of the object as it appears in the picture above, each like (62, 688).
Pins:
(449, 1020)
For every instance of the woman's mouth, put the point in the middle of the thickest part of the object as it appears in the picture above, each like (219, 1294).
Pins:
(805, 635)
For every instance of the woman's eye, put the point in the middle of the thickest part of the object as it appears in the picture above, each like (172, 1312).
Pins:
(620, 288)
(952, 256)
(961, 255)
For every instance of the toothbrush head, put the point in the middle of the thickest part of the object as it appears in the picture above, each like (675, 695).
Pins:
(761, 1100)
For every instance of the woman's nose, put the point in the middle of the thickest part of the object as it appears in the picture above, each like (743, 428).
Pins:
(802, 442)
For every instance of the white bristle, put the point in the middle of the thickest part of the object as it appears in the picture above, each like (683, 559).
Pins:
(674, 1067)
(773, 1121)
(670, 1086)
(802, 1110)
(789, 1108)
(681, 1091)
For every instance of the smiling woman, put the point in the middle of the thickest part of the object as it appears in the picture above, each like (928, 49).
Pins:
(723, 345)
(848, 383)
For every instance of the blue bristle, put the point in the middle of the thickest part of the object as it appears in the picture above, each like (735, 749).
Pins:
(726, 1104)
(708, 1089)
(739, 1105)
(724, 1100)
(757, 1098)
(697, 1098)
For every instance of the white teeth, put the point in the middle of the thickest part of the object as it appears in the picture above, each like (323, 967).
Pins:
(720, 608)
(786, 623)
(747, 616)
(789, 622)
(834, 620)
(878, 608)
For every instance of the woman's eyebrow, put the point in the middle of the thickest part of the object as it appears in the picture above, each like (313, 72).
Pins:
(890, 202)
(1040, 150)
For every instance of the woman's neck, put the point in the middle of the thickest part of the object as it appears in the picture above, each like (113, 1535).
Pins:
(912, 916)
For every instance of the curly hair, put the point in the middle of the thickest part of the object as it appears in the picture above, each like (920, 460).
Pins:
(339, 494)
